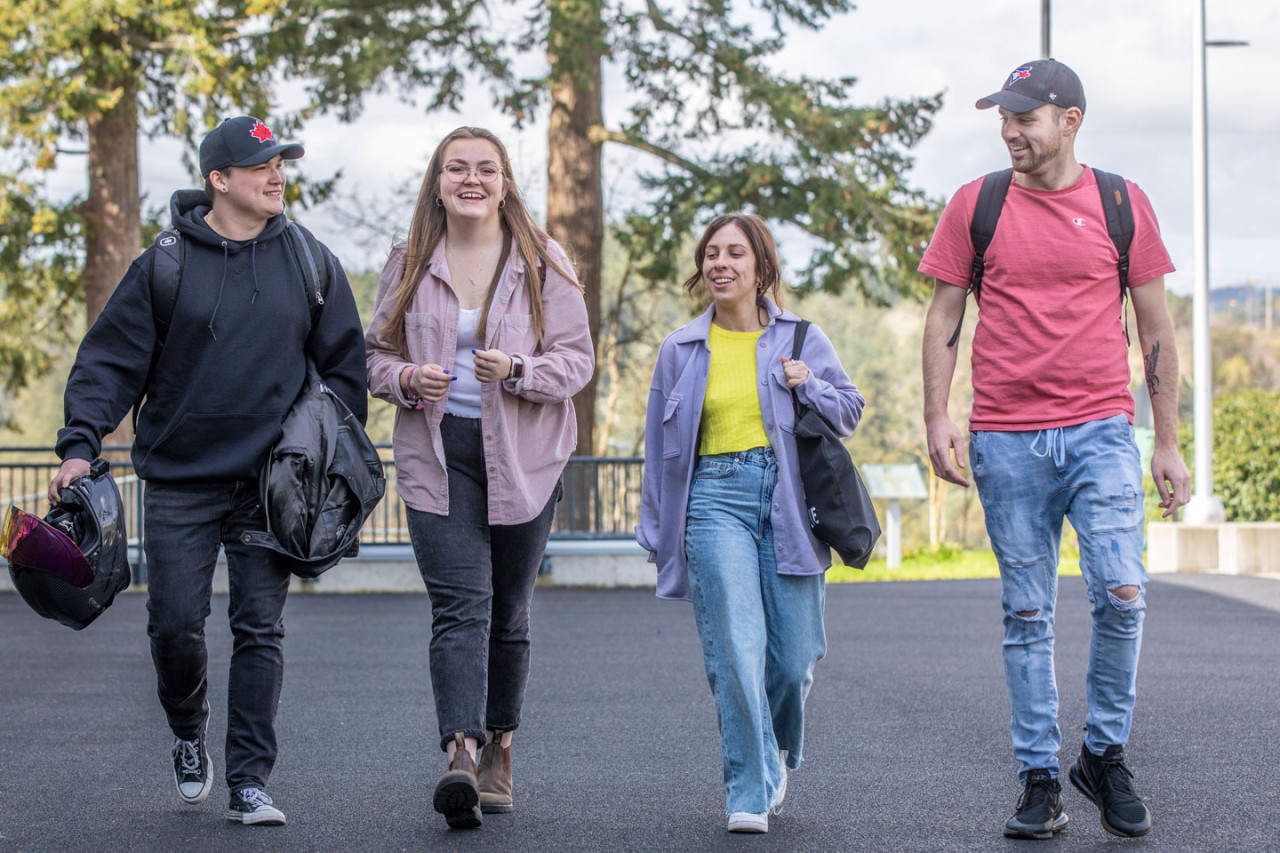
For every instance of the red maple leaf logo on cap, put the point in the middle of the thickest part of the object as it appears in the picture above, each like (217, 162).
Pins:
(261, 132)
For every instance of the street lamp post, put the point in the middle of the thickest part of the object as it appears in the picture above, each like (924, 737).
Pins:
(1045, 52)
(1204, 507)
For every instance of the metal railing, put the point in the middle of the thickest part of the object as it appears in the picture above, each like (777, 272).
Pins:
(601, 495)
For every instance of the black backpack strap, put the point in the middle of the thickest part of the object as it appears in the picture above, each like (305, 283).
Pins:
(309, 255)
(1114, 192)
(802, 331)
(166, 281)
(982, 228)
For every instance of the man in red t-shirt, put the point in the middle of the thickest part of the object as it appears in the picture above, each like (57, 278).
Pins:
(1051, 433)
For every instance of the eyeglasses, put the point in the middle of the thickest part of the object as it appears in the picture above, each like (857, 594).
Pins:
(487, 173)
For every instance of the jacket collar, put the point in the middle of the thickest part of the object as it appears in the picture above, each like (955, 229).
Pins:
(439, 266)
(700, 328)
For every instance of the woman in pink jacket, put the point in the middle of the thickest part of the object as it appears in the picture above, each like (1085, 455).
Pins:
(480, 340)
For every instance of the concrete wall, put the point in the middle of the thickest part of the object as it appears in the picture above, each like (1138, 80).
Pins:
(598, 563)
(1232, 548)
(1237, 547)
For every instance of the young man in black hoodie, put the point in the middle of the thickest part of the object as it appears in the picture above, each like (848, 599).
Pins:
(232, 362)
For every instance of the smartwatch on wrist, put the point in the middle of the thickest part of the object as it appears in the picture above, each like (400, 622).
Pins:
(517, 368)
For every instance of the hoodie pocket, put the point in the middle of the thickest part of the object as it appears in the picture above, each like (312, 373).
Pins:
(215, 446)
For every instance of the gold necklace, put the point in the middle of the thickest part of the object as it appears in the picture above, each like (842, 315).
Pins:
(453, 261)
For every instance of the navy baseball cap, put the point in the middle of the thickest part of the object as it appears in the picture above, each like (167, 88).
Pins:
(1034, 84)
(242, 141)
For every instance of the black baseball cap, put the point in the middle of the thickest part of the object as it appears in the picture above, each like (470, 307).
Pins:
(242, 141)
(1034, 84)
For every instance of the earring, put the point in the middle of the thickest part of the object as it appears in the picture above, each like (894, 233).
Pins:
(439, 202)
(502, 202)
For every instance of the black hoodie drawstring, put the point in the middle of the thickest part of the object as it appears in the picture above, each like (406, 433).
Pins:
(221, 285)
(253, 265)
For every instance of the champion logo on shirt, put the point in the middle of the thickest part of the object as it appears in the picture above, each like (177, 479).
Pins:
(1079, 222)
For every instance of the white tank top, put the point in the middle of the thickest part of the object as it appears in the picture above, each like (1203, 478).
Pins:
(464, 394)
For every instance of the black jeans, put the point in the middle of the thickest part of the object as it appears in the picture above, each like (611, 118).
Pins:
(480, 579)
(185, 525)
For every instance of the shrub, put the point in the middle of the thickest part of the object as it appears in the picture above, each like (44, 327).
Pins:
(1246, 454)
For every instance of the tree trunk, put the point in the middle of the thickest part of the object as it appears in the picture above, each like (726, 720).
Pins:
(112, 212)
(575, 198)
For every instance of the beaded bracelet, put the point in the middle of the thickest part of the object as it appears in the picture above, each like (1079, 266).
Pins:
(414, 400)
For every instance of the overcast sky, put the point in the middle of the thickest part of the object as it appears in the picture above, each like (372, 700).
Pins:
(1134, 57)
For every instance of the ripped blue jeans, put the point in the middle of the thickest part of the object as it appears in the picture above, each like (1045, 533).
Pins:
(1028, 482)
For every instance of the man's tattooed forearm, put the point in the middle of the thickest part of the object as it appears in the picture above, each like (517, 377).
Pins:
(1152, 360)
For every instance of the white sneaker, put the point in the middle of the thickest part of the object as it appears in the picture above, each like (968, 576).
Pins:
(780, 794)
(749, 822)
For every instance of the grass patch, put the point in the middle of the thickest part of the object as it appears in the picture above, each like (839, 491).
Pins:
(942, 563)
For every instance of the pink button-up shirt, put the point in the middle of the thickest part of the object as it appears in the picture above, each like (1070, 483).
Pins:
(528, 424)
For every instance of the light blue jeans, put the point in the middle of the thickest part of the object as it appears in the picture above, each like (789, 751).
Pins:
(1028, 482)
(761, 631)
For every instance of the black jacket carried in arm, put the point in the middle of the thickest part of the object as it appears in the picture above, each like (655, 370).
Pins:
(233, 361)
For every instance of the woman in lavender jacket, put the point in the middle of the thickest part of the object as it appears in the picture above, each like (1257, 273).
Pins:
(723, 513)
(480, 340)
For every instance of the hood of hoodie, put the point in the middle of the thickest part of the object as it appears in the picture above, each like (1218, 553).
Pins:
(189, 208)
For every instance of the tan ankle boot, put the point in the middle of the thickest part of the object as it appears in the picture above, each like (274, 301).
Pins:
(494, 776)
(457, 795)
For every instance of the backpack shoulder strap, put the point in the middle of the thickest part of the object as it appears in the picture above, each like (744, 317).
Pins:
(982, 229)
(1118, 211)
(986, 216)
(309, 255)
(166, 280)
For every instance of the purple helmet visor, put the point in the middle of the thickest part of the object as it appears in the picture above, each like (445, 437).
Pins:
(33, 543)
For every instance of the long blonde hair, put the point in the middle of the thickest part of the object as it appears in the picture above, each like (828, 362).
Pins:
(430, 226)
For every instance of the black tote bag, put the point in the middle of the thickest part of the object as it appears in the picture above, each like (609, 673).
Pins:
(840, 511)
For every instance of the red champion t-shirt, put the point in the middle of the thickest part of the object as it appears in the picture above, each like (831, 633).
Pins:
(1049, 349)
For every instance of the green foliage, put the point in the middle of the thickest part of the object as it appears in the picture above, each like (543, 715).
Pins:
(1246, 454)
(39, 282)
(69, 61)
(65, 64)
(941, 563)
(734, 133)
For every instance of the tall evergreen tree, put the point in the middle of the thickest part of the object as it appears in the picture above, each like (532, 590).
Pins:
(84, 78)
(727, 130)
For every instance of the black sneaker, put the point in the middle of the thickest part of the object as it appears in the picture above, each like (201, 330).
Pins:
(253, 806)
(192, 769)
(1039, 813)
(1108, 782)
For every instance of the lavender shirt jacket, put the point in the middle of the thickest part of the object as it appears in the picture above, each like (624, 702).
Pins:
(671, 441)
(528, 424)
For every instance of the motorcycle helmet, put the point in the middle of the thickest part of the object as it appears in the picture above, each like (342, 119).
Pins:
(69, 565)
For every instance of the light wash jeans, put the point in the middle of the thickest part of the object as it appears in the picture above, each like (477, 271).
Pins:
(761, 632)
(1028, 482)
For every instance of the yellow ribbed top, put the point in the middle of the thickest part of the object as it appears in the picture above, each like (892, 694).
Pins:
(731, 419)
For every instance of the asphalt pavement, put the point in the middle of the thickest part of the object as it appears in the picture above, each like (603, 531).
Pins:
(907, 745)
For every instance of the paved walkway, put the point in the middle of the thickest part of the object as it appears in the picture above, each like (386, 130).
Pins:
(907, 744)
